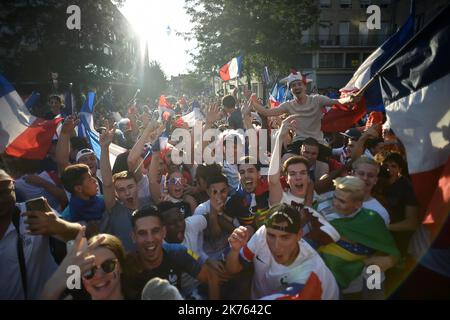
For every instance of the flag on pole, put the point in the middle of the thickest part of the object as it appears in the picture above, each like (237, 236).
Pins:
(231, 69)
(87, 109)
(86, 129)
(265, 76)
(279, 94)
(415, 88)
(22, 135)
(69, 103)
(375, 61)
(32, 100)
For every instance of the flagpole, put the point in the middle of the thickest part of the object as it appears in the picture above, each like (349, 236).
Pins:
(71, 99)
(103, 97)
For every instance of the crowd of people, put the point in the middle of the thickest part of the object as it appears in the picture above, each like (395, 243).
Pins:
(308, 224)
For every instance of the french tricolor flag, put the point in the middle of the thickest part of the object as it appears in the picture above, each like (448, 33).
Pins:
(231, 70)
(415, 88)
(22, 135)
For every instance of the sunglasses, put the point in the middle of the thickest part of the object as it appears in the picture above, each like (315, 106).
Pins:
(107, 266)
(176, 181)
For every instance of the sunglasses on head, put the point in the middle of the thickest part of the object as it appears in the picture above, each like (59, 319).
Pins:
(107, 266)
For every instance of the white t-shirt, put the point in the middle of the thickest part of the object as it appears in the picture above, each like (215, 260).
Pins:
(306, 278)
(193, 234)
(288, 197)
(213, 248)
(39, 262)
(193, 240)
(310, 114)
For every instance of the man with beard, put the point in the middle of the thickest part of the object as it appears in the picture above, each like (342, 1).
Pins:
(249, 204)
(153, 258)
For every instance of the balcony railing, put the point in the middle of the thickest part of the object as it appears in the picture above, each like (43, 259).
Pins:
(350, 40)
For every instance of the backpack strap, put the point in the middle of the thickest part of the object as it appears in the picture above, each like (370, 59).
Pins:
(20, 253)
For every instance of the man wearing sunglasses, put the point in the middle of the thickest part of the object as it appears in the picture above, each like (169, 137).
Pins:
(153, 258)
(26, 259)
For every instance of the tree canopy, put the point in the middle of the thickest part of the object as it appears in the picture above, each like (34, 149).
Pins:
(265, 32)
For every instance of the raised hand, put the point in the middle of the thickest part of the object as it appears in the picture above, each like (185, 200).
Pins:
(288, 124)
(238, 238)
(373, 131)
(213, 113)
(107, 136)
(69, 125)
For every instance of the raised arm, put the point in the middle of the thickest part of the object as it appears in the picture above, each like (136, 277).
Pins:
(51, 188)
(275, 188)
(63, 145)
(237, 240)
(49, 224)
(105, 167)
(79, 256)
(154, 184)
(151, 132)
(358, 149)
(265, 111)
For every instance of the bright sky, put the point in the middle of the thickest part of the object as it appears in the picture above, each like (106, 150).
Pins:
(151, 19)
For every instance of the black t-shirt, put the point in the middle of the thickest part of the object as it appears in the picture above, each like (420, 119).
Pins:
(177, 259)
(240, 206)
(399, 195)
(235, 120)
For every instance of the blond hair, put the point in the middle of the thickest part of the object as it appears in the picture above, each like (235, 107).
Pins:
(122, 176)
(354, 185)
(366, 160)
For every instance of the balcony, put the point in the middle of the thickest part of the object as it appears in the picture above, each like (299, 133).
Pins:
(350, 40)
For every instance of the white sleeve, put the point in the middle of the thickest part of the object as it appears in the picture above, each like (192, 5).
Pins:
(198, 222)
(202, 208)
(254, 245)
(324, 100)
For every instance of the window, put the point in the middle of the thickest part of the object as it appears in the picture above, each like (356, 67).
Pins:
(325, 3)
(363, 4)
(383, 32)
(305, 60)
(385, 3)
(366, 55)
(324, 32)
(346, 4)
(344, 31)
(363, 33)
(305, 37)
(352, 60)
(330, 60)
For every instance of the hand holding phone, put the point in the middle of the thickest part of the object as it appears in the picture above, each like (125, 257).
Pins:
(37, 204)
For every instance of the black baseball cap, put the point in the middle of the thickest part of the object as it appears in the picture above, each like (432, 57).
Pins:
(352, 133)
(284, 213)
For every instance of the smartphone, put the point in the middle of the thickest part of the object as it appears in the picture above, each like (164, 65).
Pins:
(37, 204)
